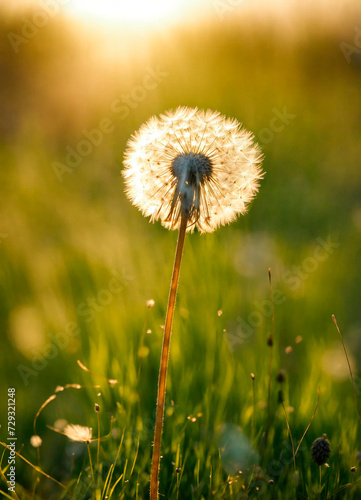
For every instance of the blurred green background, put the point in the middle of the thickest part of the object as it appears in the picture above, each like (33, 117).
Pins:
(66, 229)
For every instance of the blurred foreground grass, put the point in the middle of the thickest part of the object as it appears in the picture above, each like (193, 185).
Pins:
(63, 242)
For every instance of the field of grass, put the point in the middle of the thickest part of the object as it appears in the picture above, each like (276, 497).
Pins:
(79, 262)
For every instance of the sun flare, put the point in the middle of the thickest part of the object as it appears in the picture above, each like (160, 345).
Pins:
(125, 11)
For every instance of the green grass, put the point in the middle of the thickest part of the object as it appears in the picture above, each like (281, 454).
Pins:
(61, 243)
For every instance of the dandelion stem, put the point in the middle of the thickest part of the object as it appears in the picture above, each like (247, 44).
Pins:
(164, 361)
(90, 461)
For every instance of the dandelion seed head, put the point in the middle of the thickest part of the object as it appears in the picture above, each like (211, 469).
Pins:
(78, 433)
(195, 163)
(36, 441)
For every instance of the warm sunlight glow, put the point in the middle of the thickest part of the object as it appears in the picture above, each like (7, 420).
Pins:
(134, 11)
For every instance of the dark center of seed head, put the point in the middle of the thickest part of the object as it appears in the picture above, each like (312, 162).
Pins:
(192, 168)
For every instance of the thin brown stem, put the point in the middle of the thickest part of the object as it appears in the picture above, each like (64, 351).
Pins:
(291, 438)
(270, 342)
(254, 407)
(37, 469)
(164, 361)
(349, 366)
(310, 422)
(98, 445)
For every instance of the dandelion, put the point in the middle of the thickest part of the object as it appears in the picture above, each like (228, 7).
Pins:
(188, 169)
(78, 433)
(194, 163)
(82, 435)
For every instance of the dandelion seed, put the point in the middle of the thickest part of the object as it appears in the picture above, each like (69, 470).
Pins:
(78, 433)
(36, 441)
(288, 349)
(220, 312)
(150, 303)
(192, 162)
